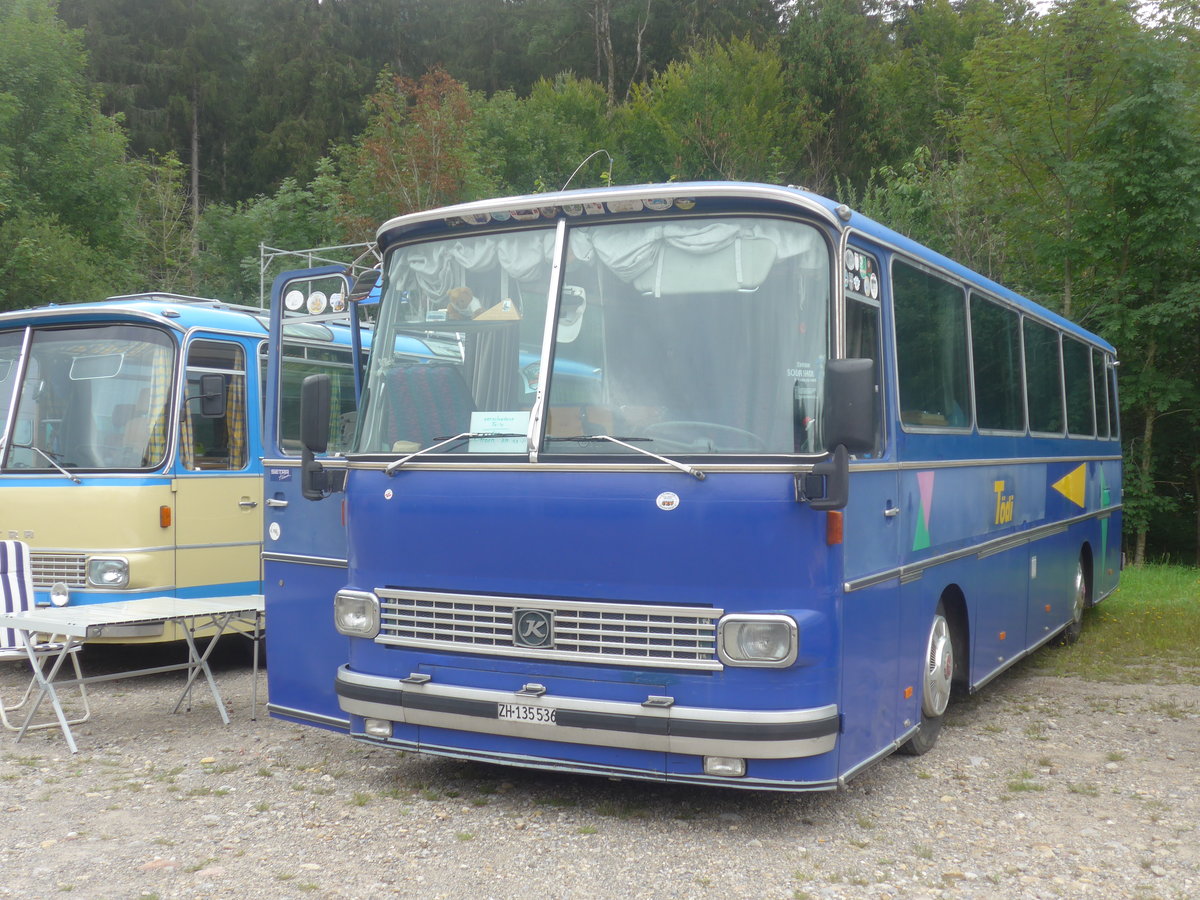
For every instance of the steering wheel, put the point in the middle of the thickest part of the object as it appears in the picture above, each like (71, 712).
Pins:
(704, 437)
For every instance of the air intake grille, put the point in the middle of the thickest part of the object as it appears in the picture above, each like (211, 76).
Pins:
(612, 633)
(51, 568)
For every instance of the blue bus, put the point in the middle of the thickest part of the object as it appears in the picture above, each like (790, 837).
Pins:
(713, 483)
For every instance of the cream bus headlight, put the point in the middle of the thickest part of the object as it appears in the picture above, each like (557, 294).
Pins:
(108, 571)
(60, 594)
(356, 614)
(766, 640)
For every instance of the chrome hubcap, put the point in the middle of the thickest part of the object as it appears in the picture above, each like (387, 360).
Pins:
(939, 669)
(1080, 593)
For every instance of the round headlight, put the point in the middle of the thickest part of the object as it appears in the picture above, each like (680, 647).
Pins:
(59, 595)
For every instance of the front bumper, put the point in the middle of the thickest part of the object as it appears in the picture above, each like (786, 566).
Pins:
(656, 724)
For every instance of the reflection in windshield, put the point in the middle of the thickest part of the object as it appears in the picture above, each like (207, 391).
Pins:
(686, 337)
(89, 397)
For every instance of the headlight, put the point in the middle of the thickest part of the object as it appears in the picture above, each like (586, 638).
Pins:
(108, 571)
(60, 595)
(356, 613)
(768, 640)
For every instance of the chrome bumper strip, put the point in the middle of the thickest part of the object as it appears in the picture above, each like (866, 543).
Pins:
(699, 731)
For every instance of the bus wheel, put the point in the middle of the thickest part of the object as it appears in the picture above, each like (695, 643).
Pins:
(935, 686)
(1079, 602)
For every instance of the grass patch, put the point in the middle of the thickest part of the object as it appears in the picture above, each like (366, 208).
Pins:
(1146, 632)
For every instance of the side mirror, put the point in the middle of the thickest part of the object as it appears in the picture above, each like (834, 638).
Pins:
(849, 409)
(315, 394)
(849, 427)
(212, 395)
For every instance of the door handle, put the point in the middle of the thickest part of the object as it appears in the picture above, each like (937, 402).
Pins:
(277, 504)
(891, 512)
(247, 503)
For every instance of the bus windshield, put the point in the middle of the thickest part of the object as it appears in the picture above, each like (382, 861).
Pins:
(87, 397)
(691, 336)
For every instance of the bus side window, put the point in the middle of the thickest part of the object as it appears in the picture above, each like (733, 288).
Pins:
(863, 342)
(931, 349)
(1043, 378)
(298, 361)
(215, 443)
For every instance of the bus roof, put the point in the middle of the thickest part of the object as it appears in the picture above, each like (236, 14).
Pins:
(174, 311)
(532, 208)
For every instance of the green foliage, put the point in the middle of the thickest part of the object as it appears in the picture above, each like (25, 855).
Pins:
(1147, 631)
(66, 191)
(721, 113)
(293, 218)
(420, 149)
(534, 144)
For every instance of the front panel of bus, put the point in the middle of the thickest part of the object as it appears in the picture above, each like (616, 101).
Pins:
(577, 536)
(113, 474)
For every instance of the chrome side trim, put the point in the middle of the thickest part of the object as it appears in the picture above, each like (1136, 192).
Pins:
(1022, 461)
(701, 731)
(1012, 661)
(219, 546)
(293, 462)
(876, 757)
(913, 571)
(301, 559)
(276, 709)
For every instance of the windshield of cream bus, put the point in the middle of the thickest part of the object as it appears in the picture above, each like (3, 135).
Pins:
(703, 336)
(87, 397)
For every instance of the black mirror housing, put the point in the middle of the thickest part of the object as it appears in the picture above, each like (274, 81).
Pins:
(849, 408)
(315, 396)
(212, 395)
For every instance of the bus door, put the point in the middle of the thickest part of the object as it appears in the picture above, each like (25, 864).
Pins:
(304, 546)
(218, 486)
(870, 619)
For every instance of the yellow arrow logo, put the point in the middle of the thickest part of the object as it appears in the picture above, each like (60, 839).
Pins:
(1073, 485)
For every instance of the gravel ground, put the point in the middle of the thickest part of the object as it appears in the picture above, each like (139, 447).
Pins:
(1039, 787)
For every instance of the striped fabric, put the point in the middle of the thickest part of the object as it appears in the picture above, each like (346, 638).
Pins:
(16, 592)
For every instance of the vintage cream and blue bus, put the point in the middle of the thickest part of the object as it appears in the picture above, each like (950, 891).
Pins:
(131, 450)
(713, 483)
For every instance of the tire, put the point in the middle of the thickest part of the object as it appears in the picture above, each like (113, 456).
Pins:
(1079, 602)
(936, 685)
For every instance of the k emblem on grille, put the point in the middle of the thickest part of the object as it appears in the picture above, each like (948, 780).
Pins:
(533, 628)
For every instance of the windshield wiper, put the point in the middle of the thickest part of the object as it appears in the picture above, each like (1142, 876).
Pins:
(48, 458)
(621, 442)
(395, 464)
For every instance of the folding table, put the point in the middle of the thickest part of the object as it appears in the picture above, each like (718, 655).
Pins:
(73, 625)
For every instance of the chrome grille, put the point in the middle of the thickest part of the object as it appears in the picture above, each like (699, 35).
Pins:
(50, 568)
(611, 633)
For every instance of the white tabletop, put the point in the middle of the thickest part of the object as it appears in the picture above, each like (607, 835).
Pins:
(77, 621)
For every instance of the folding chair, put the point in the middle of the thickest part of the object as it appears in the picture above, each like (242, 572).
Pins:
(16, 595)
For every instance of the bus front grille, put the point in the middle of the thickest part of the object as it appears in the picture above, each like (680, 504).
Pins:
(579, 631)
(49, 569)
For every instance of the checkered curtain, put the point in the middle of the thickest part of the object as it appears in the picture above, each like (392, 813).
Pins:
(235, 420)
(160, 386)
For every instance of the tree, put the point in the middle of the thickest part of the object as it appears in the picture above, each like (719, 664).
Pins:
(722, 112)
(1082, 126)
(66, 191)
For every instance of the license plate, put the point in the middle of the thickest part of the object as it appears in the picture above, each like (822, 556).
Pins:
(524, 712)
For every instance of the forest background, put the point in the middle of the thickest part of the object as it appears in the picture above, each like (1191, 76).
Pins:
(156, 144)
